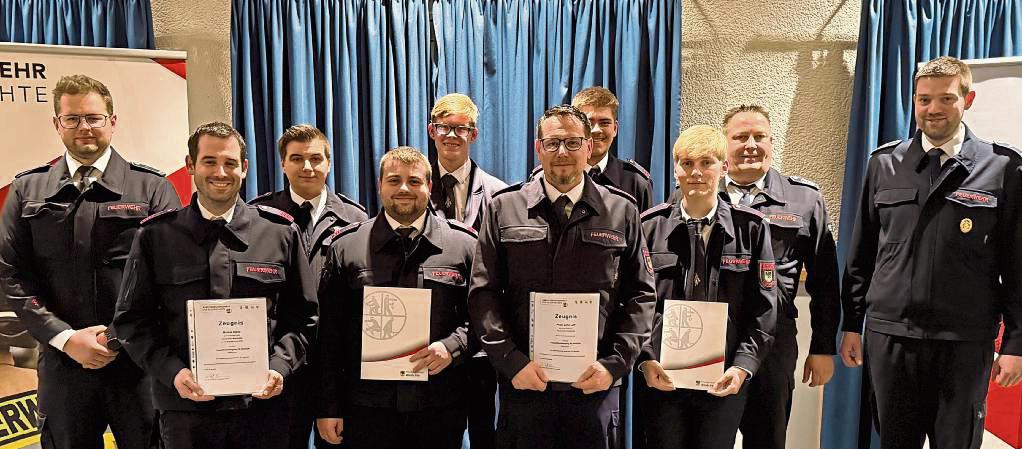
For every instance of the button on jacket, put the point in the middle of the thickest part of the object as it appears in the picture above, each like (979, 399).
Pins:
(62, 253)
(372, 254)
(740, 265)
(340, 211)
(179, 255)
(941, 262)
(801, 237)
(522, 249)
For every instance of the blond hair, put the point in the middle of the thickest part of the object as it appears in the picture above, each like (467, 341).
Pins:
(700, 141)
(452, 104)
(947, 66)
(597, 97)
(407, 156)
(81, 85)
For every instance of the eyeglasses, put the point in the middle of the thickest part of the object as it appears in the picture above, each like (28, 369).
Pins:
(553, 144)
(74, 121)
(461, 131)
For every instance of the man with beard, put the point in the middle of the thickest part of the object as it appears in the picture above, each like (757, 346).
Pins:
(560, 233)
(216, 248)
(801, 238)
(319, 214)
(407, 246)
(934, 266)
(462, 191)
(66, 230)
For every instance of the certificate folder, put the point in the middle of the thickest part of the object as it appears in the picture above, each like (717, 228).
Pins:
(694, 335)
(228, 345)
(563, 328)
(395, 325)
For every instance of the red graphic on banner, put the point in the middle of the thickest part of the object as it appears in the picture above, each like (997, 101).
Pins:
(174, 65)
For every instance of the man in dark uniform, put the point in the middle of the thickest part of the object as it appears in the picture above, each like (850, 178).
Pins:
(64, 235)
(600, 106)
(560, 233)
(217, 247)
(408, 246)
(319, 214)
(704, 249)
(462, 191)
(801, 238)
(934, 266)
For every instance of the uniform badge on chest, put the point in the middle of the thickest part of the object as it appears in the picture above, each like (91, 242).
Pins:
(965, 225)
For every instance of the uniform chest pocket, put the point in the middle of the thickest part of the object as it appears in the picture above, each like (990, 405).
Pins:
(50, 232)
(896, 206)
(600, 252)
(526, 243)
(116, 228)
(664, 263)
(785, 229)
(972, 217)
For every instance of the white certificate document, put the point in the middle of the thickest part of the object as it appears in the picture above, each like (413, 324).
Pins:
(564, 333)
(692, 347)
(395, 325)
(227, 339)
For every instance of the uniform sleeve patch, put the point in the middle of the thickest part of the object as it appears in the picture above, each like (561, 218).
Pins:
(767, 278)
(648, 259)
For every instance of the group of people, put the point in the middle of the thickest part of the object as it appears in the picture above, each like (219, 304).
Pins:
(99, 259)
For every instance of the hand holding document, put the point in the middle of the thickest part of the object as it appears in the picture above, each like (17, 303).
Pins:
(228, 344)
(564, 333)
(692, 345)
(395, 326)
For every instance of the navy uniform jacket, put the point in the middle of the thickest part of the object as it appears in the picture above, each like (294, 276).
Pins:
(62, 255)
(740, 266)
(801, 237)
(943, 262)
(628, 176)
(179, 255)
(371, 254)
(481, 187)
(601, 250)
(340, 211)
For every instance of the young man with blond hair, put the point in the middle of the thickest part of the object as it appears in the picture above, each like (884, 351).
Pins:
(934, 267)
(705, 249)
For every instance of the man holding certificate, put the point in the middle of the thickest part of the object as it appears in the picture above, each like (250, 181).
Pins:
(715, 309)
(394, 333)
(561, 242)
(209, 289)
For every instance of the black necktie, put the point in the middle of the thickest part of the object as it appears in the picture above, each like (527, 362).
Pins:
(405, 234)
(304, 215)
(694, 284)
(933, 163)
(595, 172)
(562, 208)
(747, 196)
(84, 177)
(448, 205)
(216, 227)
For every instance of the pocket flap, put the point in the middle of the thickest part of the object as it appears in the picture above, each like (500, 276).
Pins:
(444, 275)
(34, 208)
(260, 271)
(973, 198)
(604, 237)
(514, 234)
(891, 197)
(133, 211)
(663, 260)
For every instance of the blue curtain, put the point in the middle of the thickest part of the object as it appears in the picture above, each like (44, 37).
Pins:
(357, 69)
(894, 36)
(516, 58)
(91, 23)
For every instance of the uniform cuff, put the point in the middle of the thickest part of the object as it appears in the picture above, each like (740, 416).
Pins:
(746, 362)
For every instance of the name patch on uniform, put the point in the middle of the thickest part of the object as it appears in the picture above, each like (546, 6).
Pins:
(785, 219)
(452, 275)
(605, 236)
(973, 198)
(262, 272)
(767, 278)
(735, 262)
(120, 207)
(266, 270)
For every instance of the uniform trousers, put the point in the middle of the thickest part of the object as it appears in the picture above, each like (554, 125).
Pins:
(684, 419)
(261, 426)
(388, 428)
(560, 417)
(923, 387)
(770, 391)
(481, 399)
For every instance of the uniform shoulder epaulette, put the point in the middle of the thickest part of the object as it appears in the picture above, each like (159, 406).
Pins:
(662, 209)
(535, 171)
(455, 224)
(635, 167)
(887, 145)
(748, 210)
(620, 192)
(803, 182)
(40, 169)
(511, 188)
(261, 198)
(350, 201)
(1008, 146)
(274, 212)
(147, 169)
(162, 213)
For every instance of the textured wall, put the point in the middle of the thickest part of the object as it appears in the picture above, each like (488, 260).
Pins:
(796, 57)
(203, 29)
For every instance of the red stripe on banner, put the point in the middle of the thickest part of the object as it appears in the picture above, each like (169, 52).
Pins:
(182, 182)
(177, 66)
(702, 364)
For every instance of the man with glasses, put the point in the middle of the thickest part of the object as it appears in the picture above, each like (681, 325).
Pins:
(65, 232)
(462, 191)
(561, 233)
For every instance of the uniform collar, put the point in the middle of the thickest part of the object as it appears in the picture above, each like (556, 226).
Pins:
(318, 203)
(113, 171)
(553, 194)
(227, 216)
(418, 224)
(722, 217)
(382, 231)
(461, 173)
(100, 164)
(951, 147)
(238, 226)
